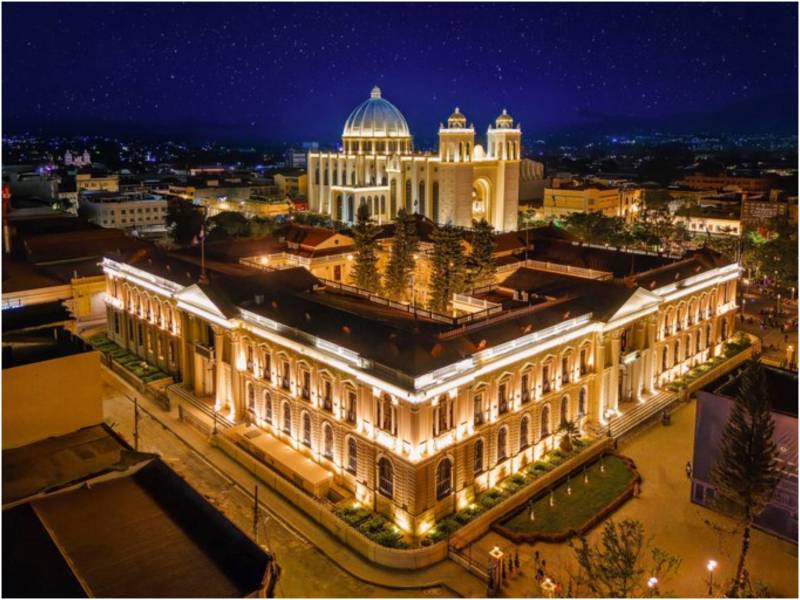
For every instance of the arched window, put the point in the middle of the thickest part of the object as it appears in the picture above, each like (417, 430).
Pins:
(523, 433)
(564, 410)
(327, 439)
(545, 421)
(409, 208)
(665, 359)
(502, 444)
(582, 402)
(307, 429)
(421, 198)
(477, 461)
(676, 352)
(393, 198)
(724, 329)
(287, 418)
(444, 479)
(386, 477)
(708, 335)
(267, 407)
(352, 455)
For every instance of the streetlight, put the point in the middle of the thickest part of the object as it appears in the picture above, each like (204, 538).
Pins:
(711, 565)
(651, 585)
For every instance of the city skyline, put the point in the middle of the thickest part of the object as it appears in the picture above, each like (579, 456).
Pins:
(292, 72)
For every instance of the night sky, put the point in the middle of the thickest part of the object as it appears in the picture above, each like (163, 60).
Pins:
(293, 72)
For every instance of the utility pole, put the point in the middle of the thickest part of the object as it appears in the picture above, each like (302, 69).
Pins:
(255, 515)
(136, 424)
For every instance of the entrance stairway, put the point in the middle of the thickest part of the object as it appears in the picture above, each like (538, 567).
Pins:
(640, 412)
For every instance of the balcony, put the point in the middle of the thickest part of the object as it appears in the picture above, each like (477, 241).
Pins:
(525, 396)
(546, 386)
(285, 383)
(565, 378)
(350, 417)
(305, 393)
(479, 420)
(327, 404)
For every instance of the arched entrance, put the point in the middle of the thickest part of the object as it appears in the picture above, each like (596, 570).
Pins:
(482, 199)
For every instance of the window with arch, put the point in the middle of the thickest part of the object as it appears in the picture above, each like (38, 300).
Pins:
(477, 407)
(267, 407)
(708, 335)
(524, 440)
(524, 387)
(565, 369)
(409, 208)
(287, 419)
(352, 455)
(327, 395)
(307, 429)
(386, 414)
(477, 460)
(444, 479)
(421, 197)
(385, 477)
(351, 405)
(676, 352)
(435, 201)
(544, 428)
(327, 441)
(502, 444)
(582, 361)
(564, 416)
(724, 329)
(665, 359)
(546, 374)
(582, 402)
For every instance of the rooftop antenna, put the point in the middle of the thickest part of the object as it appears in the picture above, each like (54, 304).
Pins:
(203, 277)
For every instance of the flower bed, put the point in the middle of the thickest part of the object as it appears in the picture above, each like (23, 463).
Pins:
(375, 526)
(578, 504)
(507, 488)
(729, 350)
(132, 363)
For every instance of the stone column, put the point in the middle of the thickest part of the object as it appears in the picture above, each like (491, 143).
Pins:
(599, 367)
(236, 378)
(220, 395)
(613, 392)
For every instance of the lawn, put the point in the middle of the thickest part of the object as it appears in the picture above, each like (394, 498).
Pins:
(570, 511)
(141, 369)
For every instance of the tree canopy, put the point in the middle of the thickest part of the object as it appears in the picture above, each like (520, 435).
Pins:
(365, 270)
(401, 260)
(448, 275)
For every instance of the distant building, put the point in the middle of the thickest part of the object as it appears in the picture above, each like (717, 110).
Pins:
(710, 220)
(566, 198)
(531, 181)
(760, 210)
(295, 159)
(730, 182)
(97, 181)
(26, 182)
(378, 167)
(714, 405)
(135, 209)
(292, 183)
(77, 160)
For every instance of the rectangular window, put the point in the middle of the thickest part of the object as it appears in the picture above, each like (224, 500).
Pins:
(477, 403)
(327, 396)
(351, 407)
(525, 391)
(502, 399)
(305, 390)
(285, 378)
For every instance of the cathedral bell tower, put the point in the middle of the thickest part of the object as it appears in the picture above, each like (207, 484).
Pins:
(504, 146)
(456, 145)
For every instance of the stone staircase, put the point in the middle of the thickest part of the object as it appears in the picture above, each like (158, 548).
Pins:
(640, 413)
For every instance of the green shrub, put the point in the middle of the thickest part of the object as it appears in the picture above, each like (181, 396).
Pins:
(353, 515)
(518, 478)
(557, 452)
(372, 525)
(556, 459)
(490, 498)
(388, 537)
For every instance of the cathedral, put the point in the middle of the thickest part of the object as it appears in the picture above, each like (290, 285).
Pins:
(379, 168)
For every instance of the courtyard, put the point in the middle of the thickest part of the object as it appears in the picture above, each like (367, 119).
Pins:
(693, 533)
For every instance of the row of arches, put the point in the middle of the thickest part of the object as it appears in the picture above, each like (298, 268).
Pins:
(148, 307)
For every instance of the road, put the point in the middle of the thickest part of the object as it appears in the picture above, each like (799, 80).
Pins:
(306, 571)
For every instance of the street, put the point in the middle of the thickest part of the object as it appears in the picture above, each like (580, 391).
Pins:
(306, 572)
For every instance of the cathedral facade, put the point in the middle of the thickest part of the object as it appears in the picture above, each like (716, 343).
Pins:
(379, 168)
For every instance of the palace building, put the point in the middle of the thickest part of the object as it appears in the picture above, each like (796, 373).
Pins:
(378, 167)
(413, 413)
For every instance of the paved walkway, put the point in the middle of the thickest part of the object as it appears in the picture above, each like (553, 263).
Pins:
(693, 533)
(411, 583)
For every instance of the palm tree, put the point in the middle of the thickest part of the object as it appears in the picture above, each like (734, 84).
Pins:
(571, 433)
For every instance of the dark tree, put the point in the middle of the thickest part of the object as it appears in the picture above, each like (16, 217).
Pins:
(185, 220)
(621, 562)
(448, 269)
(480, 263)
(401, 261)
(365, 269)
(228, 225)
(747, 471)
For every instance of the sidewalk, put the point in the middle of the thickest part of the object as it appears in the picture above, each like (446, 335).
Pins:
(446, 573)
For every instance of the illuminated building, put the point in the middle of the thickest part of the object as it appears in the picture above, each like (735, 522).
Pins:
(379, 168)
(413, 412)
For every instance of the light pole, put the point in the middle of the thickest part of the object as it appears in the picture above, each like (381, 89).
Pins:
(710, 566)
(652, 586)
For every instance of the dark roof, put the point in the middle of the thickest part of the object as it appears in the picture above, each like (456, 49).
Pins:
(781, 387)
(35, 315)
(423, 225)
(146, 533)
(22, 347)
(692, 263)
(83, 244)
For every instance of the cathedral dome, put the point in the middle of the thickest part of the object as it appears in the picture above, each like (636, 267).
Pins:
(376, 117)
(504, 120)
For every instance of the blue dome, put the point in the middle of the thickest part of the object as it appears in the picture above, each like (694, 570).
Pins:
(376, 117)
